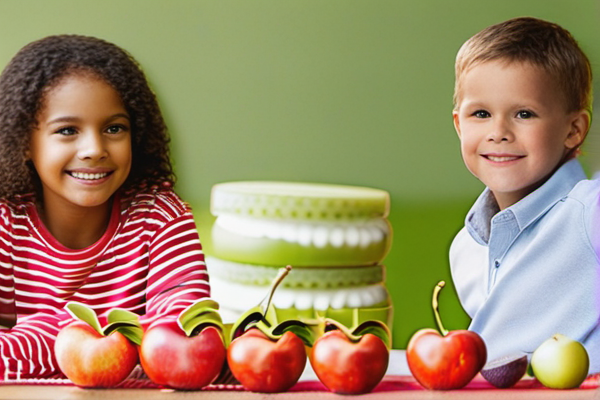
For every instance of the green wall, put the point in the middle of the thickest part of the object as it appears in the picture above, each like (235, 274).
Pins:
(339, 91)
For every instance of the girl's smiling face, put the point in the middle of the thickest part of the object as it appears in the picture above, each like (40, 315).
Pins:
(81, 147)
(514, 127)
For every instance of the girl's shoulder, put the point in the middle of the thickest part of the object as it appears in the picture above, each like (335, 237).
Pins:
(21, 205)
(16, 211)
(156, 203)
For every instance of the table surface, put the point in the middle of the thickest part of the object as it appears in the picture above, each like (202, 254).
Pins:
(397, 384)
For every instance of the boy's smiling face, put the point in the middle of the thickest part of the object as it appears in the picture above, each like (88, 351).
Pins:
(514, 127)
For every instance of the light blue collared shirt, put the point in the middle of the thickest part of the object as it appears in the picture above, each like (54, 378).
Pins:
(532, 270)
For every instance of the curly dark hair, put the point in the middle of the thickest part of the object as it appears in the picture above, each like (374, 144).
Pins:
(41, 65)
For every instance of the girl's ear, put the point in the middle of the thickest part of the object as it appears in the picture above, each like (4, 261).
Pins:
(456, 122)
(580, 124)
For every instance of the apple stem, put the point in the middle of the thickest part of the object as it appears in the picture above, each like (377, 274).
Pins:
(278, 279)
(435, 305)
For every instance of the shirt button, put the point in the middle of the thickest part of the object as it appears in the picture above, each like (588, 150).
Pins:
(497, 263)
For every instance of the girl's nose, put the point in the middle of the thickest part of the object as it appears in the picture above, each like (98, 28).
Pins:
(91, 146)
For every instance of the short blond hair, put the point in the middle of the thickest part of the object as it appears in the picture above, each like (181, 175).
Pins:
(541, 43)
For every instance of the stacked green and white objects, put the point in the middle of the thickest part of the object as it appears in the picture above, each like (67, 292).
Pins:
(335, 238)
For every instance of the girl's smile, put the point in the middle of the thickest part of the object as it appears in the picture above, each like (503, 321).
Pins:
(91, 176)
(81, 147)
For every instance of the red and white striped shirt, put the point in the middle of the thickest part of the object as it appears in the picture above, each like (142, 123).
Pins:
(148, 261)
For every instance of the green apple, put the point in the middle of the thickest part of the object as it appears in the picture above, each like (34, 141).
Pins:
(560, 363)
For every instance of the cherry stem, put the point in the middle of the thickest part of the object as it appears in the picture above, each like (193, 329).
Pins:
(278, 279)
(434, 304)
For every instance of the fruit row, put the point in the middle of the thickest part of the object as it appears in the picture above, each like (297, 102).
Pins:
(263, 354)
(448, 360)
(268, 355)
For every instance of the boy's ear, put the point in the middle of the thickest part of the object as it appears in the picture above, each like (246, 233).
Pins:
(456, 123)
(580, 124)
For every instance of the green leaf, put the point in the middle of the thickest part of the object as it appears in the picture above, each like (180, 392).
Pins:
(197, 308)
(331, 324)
(263, 315)
(266, 317)
(121, 315)
(84, 313)
(192, 326)
(119, 320)
(270, 325)
(376, 328)
(300, 329)
(245, 321)
(357, 331)
(203, 313)
(133, 333)
(125, 322)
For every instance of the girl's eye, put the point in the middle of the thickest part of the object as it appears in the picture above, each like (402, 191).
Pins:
(66, 131)
(116, 129)
(481, 114)
(524, 114)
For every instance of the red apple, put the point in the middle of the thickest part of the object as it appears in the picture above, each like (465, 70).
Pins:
(347, 367)
(172, 359)
(447, 361)
(89, 359)
(264, 365)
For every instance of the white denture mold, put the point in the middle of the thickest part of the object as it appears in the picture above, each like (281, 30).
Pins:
(298, 278)
(304, 303)
(335, 238)
(302, 224)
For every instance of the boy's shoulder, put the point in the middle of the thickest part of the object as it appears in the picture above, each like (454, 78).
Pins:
(587, 191)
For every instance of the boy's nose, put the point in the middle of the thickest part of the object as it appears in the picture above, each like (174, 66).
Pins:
(91, 146)
(500, 132)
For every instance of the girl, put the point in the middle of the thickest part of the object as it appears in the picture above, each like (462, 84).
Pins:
(87, 212)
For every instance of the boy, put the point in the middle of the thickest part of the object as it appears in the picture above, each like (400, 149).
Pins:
(524, 265)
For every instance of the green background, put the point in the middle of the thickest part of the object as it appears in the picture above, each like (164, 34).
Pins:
(351, 92)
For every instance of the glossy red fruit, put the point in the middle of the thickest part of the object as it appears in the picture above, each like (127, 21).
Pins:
(264, 365)
(172, 359)
(346, 367)
(445, 362)
(89, 359)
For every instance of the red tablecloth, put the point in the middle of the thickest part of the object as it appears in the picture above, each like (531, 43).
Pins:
(388, 384)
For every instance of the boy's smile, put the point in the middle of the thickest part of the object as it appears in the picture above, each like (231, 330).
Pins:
(514, 127)
(81, 147)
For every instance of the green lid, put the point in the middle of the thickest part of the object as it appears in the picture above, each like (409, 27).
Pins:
(293, 200)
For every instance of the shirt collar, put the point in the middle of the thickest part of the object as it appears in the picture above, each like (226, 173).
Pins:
(528, 209)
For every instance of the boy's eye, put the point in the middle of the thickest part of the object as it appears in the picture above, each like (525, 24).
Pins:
(481, 114)
(66, 131)
(524, 114)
